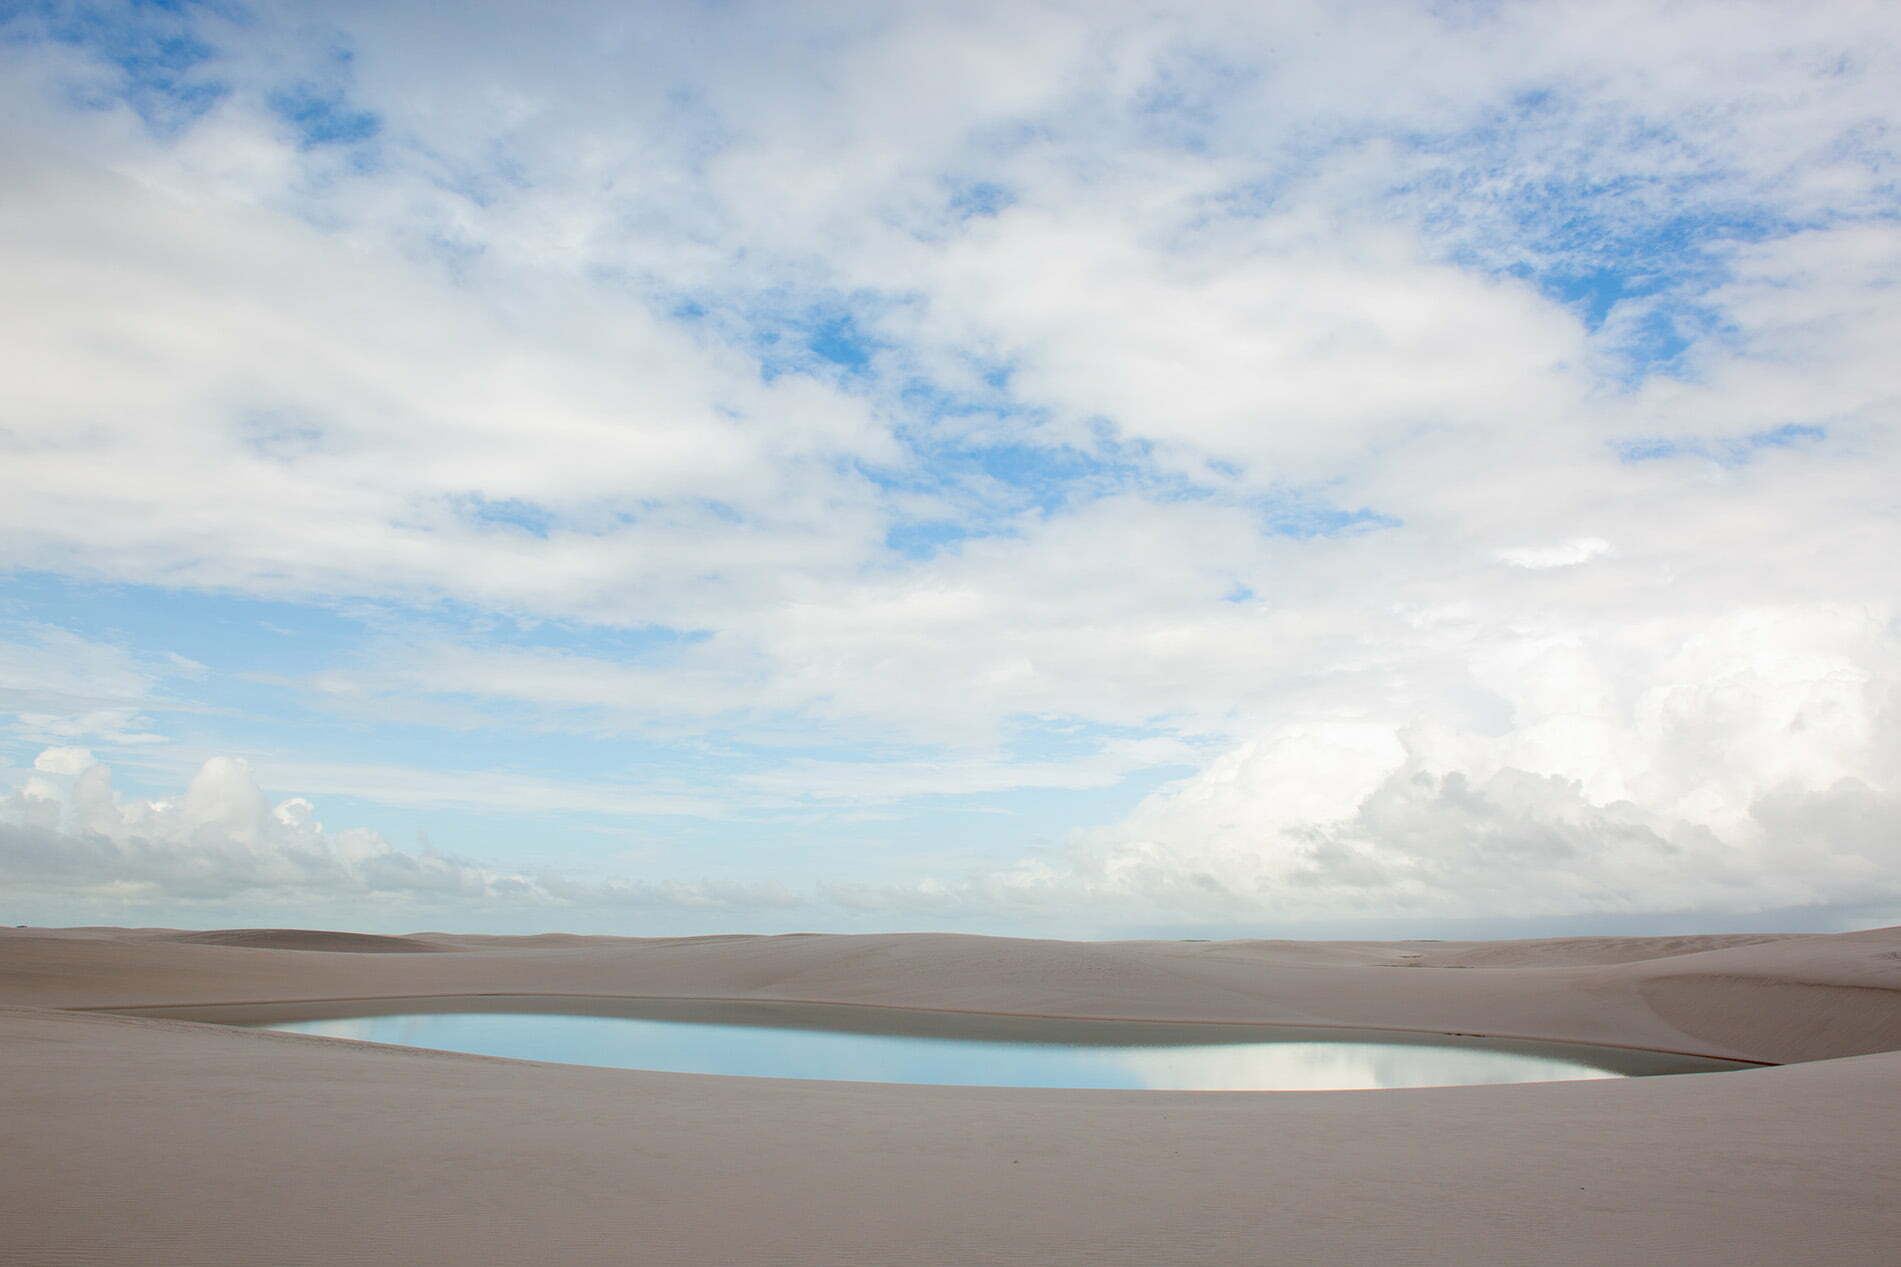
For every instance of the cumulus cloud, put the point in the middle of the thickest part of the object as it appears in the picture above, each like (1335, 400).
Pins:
(1748, 765)
(68, 834)
(219, 840)
(63, 760)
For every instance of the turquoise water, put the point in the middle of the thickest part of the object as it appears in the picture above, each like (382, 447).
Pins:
(899, 1046)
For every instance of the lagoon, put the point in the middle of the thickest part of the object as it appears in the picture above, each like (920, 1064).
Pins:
(754, 1038)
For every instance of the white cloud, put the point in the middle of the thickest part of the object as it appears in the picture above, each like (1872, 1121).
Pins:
(1745, 766)
(1564, 555)
(58, 685)
(371, 429)
(800, 781)
(63, 760)
(221, 842)
(1251, 263)
(1296, 330)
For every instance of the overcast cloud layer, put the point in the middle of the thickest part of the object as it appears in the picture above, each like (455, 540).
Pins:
(1031, 466)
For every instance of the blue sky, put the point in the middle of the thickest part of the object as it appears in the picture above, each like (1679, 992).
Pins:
(1013, 468)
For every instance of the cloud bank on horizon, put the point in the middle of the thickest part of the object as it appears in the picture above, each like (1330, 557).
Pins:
(1018, 467)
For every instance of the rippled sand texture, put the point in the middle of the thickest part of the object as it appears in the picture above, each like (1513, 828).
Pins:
(137, 1140)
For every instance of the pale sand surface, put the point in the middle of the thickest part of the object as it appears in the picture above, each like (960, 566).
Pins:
(160, 1142)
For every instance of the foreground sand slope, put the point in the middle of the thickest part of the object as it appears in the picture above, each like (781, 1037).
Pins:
(155, 1142)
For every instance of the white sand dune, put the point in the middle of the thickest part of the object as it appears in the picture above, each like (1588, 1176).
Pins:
(138, 1140)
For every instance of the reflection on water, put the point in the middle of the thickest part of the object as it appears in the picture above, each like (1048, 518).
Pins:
(1338, 1066)
(1128, 1055)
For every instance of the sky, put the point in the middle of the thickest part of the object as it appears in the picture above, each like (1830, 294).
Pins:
(1057, 469)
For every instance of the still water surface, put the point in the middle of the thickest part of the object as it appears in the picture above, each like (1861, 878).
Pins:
(892, 1045)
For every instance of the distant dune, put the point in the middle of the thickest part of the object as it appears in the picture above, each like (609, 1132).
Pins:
(307, 939)
(1563, 951)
